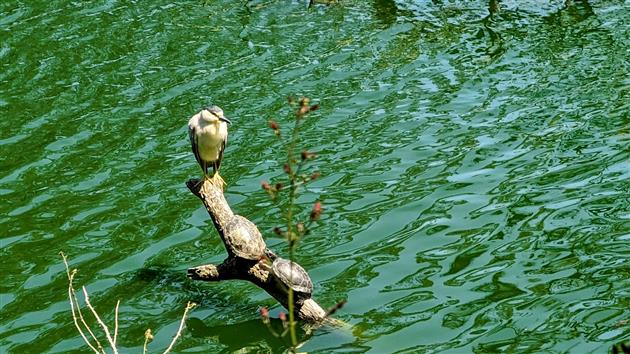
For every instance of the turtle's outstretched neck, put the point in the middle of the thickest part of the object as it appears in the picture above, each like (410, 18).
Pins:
(250, 259)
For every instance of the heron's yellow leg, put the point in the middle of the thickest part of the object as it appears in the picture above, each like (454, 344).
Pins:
(204, 178)
(204, 170)
(218, 180)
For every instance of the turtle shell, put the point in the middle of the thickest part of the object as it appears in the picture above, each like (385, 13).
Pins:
(296, 278)
(243, 239)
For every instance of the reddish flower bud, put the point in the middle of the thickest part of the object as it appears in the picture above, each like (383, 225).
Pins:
(317, 210)
(287, 168)
(302, 111)
(314, 107)
(308, 155)
(264, 312)
(304, 108)
(282, 316)
(265, 185)
(273, 125)
(315, 175)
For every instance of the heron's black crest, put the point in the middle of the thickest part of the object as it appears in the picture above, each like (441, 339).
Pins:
(214, 109)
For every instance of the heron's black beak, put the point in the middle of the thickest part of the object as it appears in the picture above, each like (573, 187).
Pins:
(225, 120)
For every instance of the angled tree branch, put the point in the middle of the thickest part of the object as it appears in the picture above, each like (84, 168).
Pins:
(257, 271)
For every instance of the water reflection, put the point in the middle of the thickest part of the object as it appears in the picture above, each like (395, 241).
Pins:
(251, 335)
(385, 11)
(578, 10)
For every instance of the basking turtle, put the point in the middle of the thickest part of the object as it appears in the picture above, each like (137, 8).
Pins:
(243, 239)
(296, 278)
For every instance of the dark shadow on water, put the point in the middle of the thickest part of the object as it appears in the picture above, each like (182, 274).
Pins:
(149, 280)
(387, 12)
(248, 334)
(167, 278)
(158, 274)
(251, 335)
(572, 12)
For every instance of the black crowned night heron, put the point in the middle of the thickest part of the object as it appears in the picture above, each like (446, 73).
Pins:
(208, 135)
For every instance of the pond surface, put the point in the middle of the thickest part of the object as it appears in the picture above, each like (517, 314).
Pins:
(475, 162)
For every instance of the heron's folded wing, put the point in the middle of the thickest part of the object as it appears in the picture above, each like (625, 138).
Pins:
(193, 142)
(218, 163)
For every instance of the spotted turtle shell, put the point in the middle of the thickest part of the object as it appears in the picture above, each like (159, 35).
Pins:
(298, 279)
(243, 238)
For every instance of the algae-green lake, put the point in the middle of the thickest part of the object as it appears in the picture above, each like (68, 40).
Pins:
(474, 159)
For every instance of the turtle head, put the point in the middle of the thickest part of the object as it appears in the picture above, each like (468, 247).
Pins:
(269, 254)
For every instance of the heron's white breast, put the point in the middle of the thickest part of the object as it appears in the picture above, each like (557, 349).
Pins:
(210, 138)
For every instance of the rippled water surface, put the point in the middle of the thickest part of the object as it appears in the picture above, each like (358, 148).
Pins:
(475, 162)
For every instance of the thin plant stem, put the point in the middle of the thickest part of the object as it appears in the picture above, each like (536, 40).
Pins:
(100, 322)
(189, 306)
(293, 170)
(271, 330)
(291, 306)
(289, 215)
(73, 303)
(116, 321)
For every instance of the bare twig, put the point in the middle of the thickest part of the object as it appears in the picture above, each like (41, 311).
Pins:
(73, 301)
(116, 321)
(335, 308)
(189, 306)
(147, 337)
(74, 318)
(79, 319)
(87, 327)
(100, 322)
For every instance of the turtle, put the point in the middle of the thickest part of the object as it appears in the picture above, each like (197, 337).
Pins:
(296, 278)
(243, 239)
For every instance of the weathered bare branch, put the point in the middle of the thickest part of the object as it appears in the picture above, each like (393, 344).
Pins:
(258, 272)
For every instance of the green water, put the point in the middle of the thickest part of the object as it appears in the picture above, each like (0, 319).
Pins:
(475, 169)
